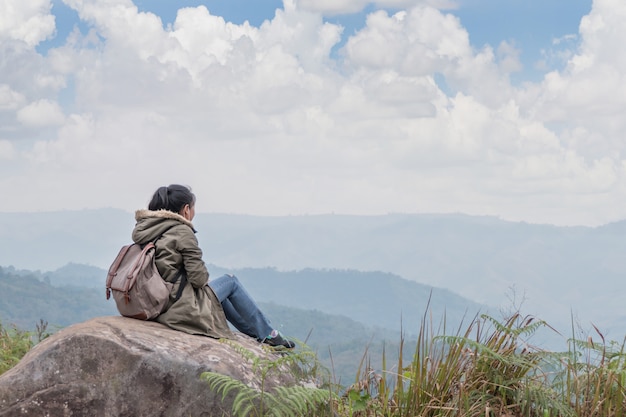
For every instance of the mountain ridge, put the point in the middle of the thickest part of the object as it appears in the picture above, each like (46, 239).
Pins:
(553, 271)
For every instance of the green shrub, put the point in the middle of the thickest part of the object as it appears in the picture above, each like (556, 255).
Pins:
(15, 343)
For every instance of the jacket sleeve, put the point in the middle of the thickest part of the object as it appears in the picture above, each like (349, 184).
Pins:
(197, 274)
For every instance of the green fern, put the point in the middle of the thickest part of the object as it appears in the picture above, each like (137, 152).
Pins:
(223, 384)
(295, 400)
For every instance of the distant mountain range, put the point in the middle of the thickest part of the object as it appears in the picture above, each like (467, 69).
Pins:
(375, 299)
(553, 272)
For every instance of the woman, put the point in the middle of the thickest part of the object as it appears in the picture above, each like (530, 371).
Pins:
(204, 306)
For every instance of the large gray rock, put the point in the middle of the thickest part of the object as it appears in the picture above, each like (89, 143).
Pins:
(115, 366)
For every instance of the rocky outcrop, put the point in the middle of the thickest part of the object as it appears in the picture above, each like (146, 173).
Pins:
(116, 366)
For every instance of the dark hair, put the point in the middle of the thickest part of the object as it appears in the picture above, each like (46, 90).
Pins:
(172, 198)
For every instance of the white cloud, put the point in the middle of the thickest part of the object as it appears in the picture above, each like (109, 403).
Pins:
(509, 58)
(28, 21)
(7, 150)
(335, 7)
(41, 113)
(9, 99)
(589, 95)
(411, 117)
(423, 42)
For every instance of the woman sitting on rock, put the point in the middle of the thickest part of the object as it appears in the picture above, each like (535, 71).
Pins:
(204, 306)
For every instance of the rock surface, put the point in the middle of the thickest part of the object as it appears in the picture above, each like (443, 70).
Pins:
(116, 366)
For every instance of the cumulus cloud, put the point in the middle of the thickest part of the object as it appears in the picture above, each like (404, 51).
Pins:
(406, 116)
(7, 150)
(28, 21)
(589, 94)
(9, 99)
(41, 113)
(335, 7)
(423, 42)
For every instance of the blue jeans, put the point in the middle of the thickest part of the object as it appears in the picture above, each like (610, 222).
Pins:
(240, 309)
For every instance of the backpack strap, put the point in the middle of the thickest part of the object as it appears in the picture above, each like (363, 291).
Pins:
(116, 264)
(181, 273)
(183, 282)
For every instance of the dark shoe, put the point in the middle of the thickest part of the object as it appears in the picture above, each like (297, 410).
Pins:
(278, 340)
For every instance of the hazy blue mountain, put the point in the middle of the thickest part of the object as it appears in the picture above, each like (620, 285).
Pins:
(77, 275)
(375, 299)
(49, 240)
(553, 272)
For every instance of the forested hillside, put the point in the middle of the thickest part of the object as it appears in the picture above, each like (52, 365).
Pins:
(376, 299)
(27, 297)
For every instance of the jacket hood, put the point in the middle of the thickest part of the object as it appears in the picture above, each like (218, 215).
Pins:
(151, 224)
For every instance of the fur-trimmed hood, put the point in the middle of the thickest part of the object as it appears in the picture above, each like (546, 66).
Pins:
(153, 223)
(162, 214)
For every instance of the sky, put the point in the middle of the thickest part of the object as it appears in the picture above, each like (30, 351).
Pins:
(513, 109)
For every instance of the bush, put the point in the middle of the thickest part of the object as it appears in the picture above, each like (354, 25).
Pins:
(15, 343)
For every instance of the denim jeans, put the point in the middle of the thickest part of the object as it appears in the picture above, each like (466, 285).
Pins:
(240, 309)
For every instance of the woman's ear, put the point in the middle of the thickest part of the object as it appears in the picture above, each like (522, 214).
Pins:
(185, 211)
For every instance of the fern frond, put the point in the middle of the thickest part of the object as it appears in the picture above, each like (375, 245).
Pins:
(225, 384)
(245, 402)
(516, 326)
(298, 400)
(478, 347)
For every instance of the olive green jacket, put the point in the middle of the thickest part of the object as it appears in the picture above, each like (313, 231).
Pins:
(198, 311)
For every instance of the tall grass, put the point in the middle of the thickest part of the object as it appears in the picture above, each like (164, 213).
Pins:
(491, 370)
(592, 377)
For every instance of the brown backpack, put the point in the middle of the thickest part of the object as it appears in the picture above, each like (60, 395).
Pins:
(138, 289)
